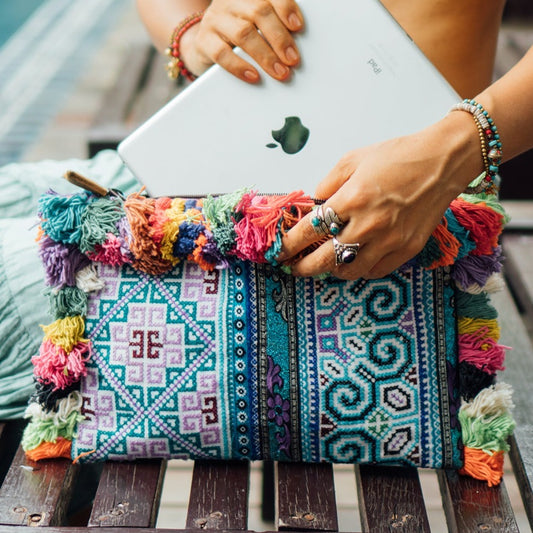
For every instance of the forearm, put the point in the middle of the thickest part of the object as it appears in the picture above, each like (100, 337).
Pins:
(160, 17)
(510, 103)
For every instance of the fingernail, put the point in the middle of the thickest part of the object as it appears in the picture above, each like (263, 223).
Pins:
(281, 70)
(251, 75)
(291, 54)
(294, 21)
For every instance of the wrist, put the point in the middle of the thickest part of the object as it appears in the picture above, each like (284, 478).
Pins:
(188, 51)
(464, 150)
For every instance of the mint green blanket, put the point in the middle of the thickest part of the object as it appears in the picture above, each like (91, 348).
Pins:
(22, 306)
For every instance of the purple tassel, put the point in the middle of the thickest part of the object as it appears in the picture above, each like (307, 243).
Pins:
(61, 262)
(477, 268)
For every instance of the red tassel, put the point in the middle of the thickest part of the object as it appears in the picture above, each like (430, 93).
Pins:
(483, 223)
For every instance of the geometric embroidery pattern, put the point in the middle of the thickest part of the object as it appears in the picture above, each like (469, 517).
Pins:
(247, 362)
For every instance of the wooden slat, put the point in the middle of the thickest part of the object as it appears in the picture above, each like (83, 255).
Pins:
(14, 529)
(10, 435)
(518, 250)
(518, 373)
(306, 497)
(219, 495)
(37, 497)
(128, 494)
(4, 455)
(268, 501)
(390, 499)
(109, 126)
(472, 506)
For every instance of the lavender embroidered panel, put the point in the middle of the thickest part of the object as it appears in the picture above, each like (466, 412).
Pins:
(249, 363)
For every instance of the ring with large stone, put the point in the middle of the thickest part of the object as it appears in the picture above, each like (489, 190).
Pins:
(345, 253)
(326, 221)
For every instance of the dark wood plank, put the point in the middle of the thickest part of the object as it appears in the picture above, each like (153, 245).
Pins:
(13, 529)
(472, 506)
(10, 435)
(219, 495)
(268, 503)
(518, 373)
(518, 251)
(36, 494)
(390, 499)
(128, 494)
(306, 497)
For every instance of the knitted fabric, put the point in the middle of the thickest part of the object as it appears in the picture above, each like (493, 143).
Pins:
(191, 349)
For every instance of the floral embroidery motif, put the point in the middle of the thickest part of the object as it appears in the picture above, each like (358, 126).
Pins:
(278, 407)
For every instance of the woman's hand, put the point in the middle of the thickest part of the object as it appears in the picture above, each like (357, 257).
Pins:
(262, 28)
(390, 196)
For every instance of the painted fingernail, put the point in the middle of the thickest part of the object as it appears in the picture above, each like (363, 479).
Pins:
(294, 21)
(291, 54)
(281, 70)
(251, 75)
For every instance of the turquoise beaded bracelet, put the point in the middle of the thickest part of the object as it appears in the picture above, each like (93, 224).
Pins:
(491, 146)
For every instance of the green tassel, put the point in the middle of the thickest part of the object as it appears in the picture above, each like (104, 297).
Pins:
(486, 433)
(48, 429)
(219, 211)
(430, 253)
(69, 301)
(99, 218)
(474, 306)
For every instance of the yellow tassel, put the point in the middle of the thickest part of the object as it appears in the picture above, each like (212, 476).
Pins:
(65, 332)
(473, 325)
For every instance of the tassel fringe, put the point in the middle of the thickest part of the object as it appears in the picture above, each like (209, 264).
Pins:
(153, 235)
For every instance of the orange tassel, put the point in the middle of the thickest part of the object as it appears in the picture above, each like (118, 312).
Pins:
(51, 450)
(158, 218)
(146, 252)
(448, 245)
(481, 465)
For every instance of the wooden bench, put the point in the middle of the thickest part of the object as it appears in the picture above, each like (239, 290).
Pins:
(128, 495)
(142, 87)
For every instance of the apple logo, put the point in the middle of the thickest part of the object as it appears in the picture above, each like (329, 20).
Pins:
(291, 137)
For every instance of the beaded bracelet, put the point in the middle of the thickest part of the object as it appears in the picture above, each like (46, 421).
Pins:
(175, 66)
(491, 146)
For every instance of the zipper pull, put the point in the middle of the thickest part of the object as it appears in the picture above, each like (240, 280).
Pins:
(85, 183)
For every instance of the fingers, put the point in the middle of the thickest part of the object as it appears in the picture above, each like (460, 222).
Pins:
(340, 173)
(262, 28)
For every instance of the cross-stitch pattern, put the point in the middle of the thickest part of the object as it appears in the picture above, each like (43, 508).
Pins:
(173, 364)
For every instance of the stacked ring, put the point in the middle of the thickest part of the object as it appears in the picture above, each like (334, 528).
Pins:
(326, 222)
(345, 253)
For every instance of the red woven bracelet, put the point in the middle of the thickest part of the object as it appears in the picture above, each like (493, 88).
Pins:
(175, 66)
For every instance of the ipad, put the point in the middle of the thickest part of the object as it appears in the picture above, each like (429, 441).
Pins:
(361, 80)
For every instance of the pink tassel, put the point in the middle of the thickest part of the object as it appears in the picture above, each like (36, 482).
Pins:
(54, 365)
(482, 351)
(257, 230)
(112, 252)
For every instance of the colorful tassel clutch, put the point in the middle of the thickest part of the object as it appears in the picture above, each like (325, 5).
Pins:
(176, 335)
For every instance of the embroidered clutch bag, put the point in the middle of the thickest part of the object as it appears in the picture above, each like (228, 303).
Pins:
(176, 335)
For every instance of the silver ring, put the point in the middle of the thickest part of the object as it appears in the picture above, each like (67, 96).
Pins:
(345, 253)
(327, 222)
